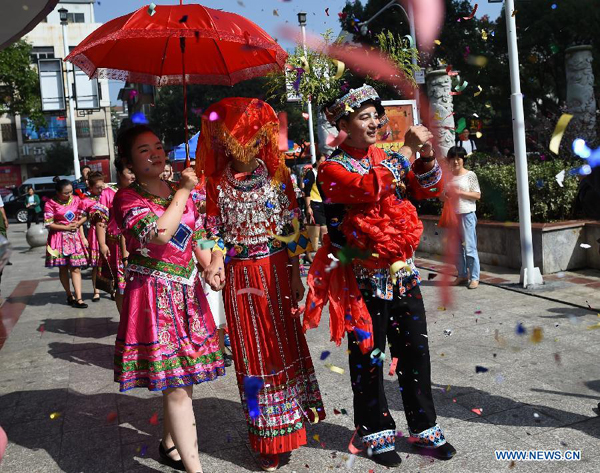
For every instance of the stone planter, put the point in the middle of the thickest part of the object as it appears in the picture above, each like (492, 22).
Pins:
(37, 235)
(556, 245)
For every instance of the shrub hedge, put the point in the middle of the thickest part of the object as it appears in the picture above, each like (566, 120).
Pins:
(498, 181)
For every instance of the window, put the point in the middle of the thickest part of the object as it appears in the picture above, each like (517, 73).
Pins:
(9, 132)
(75, 18)
(82, 128)
(98, 129)
(41, 52)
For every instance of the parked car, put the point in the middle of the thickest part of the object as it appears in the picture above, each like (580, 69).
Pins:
(14, 204)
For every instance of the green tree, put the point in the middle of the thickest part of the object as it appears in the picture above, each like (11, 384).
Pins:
(167, 115)
(19, 82)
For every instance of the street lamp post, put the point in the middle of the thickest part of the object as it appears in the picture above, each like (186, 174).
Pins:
(530, 275)
(71, 99)
(311, 133)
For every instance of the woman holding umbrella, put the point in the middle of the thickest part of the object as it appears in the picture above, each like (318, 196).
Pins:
(252, 214)
(166, 339)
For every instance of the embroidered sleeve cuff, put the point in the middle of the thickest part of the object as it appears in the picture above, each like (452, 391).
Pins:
(220, 246)
(430, 178)
(146, 228)
(394, 164)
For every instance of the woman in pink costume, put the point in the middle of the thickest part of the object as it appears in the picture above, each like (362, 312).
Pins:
(64, 217)
(95, 185)
(167, 338)
(110, 240)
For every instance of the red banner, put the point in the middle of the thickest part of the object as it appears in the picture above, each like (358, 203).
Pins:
(10, 176)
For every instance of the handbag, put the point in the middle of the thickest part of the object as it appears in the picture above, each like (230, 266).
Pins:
(106, 284)
(448, 218)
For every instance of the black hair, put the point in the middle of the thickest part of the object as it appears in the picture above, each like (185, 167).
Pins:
(86, 166)
(168, 161)
(457, 152)
(94, 177)
(127, 137)
(119, 166)
(61, 184)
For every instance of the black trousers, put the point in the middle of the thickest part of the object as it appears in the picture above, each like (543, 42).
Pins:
(32, 216)
(402, 321)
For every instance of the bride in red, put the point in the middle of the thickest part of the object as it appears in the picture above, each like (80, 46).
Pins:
(253, 216)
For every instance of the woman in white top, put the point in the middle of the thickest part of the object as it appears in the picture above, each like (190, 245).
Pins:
(465, 191)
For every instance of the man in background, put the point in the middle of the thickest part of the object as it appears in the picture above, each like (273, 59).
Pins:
(315, 211)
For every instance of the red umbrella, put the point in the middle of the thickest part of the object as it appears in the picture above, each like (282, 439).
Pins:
(179, 44)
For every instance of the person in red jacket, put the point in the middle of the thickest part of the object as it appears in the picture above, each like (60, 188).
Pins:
(365, 270)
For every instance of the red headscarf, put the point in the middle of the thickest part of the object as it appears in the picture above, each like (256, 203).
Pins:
(243, 128)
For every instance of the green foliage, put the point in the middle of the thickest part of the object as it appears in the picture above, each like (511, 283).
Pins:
(549, 201)
(316, 81)
(19, 82)
(167, 115)
(59, 159)
(401, 52)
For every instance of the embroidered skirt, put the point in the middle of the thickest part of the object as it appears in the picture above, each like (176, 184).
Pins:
(267, 342)
(93, 249)
(113, 268)
(166, 336)
(65, 249)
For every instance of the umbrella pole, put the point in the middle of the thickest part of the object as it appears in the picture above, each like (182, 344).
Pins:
(185, 115)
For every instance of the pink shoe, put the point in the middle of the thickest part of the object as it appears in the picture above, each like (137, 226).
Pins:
(269, 462)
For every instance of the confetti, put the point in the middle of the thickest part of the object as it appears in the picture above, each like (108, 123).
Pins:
(560, 177)
(151, 9)
(275, 13)
(514, 12)
(327, 11)
(213, 116)
(447, 332)
(183, 19)
(431, 276)
(251, 290)
(154, 419)
(52, 252)
(536, 335)
(520, 330)
(316, 437)
(470, 17)
(393, 366)
(111, 417)
(325, 354)
(335, 141)
(251, 387)
(481, 369)
(139, 118)
(437, 41)
(477, 410)
(55, 415)
(361, 334)
(335, 369)
(484, 35)
(42, 329)
(441, 308)
(305, 115)
(340, 69)
(585, 245)
(476, 94)
(559, 131)
(351, 448)
(206, 244)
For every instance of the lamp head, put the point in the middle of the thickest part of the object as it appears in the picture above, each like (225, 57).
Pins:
(364, 29)
(63, 15)
(302, 18)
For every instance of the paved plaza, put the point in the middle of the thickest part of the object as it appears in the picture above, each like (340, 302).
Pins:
(538, 385)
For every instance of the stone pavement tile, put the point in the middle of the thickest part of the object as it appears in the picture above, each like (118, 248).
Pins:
(26, 431)
(40, 404)
(99, 461)
(132, 408)
(87, 416)
(143, 458)
(140, 433)
(524, 421)
(567, 438)
(32, 455)
(101, 439)
(235, 459)
(488, 403)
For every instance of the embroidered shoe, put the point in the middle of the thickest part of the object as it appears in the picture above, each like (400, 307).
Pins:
(269, 462)
(434, 441)
(381, 447)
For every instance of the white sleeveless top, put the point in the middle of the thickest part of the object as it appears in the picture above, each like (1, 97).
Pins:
(467, 183)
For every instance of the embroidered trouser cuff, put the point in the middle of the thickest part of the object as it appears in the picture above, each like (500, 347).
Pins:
(430, 438)
(380, 442)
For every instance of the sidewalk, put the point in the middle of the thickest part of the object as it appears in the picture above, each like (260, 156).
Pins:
(63, 413)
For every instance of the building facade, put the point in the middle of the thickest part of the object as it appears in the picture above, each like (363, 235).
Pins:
(23, 146)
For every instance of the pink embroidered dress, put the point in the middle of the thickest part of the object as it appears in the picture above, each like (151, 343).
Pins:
(93, 247)
(65, 247)
(166, 337)
(103, 211)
